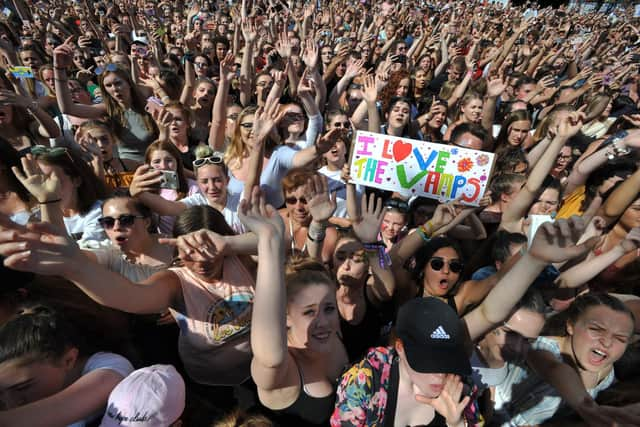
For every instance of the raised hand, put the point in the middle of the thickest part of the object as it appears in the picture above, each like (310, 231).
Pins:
(63, 54)
(369, 90)
(265, 119)
(367, 225)
(448, 403)
(43, 187)
(310, 54)
(495, 88)
(321, 205)
(259, 217)
(283, 45)
(306, 86)
(554, 242)
(249, 30)
(329, 139)
(354, 69)
(163, 118)
(144, 179)
(570, 125)
(226, 68)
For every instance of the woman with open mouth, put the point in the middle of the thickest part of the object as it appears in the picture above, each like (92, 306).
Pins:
(568, 366)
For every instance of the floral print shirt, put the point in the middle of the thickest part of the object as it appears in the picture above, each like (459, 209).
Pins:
(363, 392)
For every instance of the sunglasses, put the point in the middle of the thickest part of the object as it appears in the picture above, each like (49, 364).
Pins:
(108, 222)
(108, 67)
(342, 125)
(293, 200)
(454, 265)
(401, 205)
(41, 150)
(200, 64)
(215, 159)
(295, 116)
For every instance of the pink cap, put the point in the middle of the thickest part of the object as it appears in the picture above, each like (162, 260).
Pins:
(149, 397)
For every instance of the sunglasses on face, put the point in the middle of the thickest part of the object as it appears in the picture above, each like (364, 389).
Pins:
(295, 116)
(342, 125)
(108, 222)
(108, 67)
(294, 200)
(454, 265)
(214, 159)
(200, 64)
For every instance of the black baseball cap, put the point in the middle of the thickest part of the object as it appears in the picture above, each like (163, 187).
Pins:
(433, 337)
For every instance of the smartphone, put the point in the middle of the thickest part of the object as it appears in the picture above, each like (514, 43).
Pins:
(400, 59)
(169, 180)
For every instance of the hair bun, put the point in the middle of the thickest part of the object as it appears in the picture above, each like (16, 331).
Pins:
(299, 263)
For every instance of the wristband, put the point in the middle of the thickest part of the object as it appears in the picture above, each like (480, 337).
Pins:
(384, 259)
(316, 233)
(48, 202)
(426, 236)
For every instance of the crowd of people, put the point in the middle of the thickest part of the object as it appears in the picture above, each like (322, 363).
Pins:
(183, 243)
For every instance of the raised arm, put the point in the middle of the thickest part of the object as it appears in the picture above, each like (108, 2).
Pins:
(581, 273)
(518, 207)
(62, 58)
(219, 113)
(269, 324)
(249, 32)
(621, 198)
(552, 243)
(47, 126)
(370, 96)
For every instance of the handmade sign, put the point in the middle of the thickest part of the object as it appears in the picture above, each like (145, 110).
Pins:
(420, 168)
(20, 72)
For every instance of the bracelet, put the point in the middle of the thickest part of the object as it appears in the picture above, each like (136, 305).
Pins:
(426, 236)
(315, 233)
(318, 239)
(384, 259)
(428, 228)
(48, 202)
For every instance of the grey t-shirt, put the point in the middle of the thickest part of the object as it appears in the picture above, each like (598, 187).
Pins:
(134, 138)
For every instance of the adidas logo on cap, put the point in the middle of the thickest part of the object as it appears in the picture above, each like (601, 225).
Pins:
(440, 334)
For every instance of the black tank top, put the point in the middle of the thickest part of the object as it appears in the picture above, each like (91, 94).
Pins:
(306, 410)
(359, 338)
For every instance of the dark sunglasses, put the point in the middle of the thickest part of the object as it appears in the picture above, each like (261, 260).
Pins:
(294, 116)
(214, 159)
(345, 125)
(108, 67)
(108, 222)
(454, 265)
(293, 200)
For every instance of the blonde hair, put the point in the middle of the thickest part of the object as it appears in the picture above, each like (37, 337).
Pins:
(237, 149)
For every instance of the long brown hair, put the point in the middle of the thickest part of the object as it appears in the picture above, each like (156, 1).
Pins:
(116, 112)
